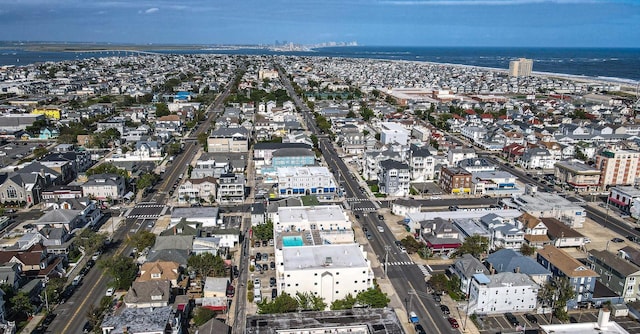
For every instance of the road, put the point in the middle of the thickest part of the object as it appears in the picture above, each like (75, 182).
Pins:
(94, 285)
(408, 280)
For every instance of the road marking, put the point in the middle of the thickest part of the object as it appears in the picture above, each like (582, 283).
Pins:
(435, 325)
(429, 267)
(81, 307)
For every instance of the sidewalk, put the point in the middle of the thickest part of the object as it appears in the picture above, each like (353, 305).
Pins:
(33, 323)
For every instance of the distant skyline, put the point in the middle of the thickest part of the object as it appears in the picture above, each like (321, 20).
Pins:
(511, 23)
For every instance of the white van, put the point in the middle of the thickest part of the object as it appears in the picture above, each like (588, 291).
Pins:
(76, 280)
(380, 229)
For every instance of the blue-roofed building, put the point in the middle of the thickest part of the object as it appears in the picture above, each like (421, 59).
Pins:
(508, 260)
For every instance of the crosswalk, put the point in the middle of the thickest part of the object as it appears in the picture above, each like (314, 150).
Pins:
(364, 209)
(354, 199)
(402, 263)
(424, 269)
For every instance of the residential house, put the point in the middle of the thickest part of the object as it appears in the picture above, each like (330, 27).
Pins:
(503, 292)
(258, 214)
(48, 133)
(440, 235)
(465, 268)
(207, 166)
(509, 260)
(370, 163)
(535, 231)
(353, 140)
(160, 270)
(61, 218)
(537, 158)
(151, 320)
(421, 163)
(562, 235)
(34, 262)
(228, 140)
(403, 206)
(198, 189)
(207, 216)
(504, 233)
(80, 161)
(231, 188)
(617, 274)
(147, 149)
(561, 264)
(169, 123)
(151, 293)
(104, 186)
(393, 178)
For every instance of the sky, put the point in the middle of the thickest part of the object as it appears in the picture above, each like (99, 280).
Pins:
(510, 23)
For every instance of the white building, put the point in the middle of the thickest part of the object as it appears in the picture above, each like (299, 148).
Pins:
(547, 205)
(327, 271)
(300, 181)
(458, 154)
(503, 292)
(393, 133)
(305, 218)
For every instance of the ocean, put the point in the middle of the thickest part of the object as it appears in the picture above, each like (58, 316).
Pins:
(602, 63)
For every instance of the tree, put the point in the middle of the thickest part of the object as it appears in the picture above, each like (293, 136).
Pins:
(206, 264)
(309, 302)
(284, 303)
(146, 180)
(174, 148)
(53, 289)
(438, 282)
(263, 231)
(556, 293)
(527, 250)
(21, 303)
(476, 245)
(373, 297)
(202, 315)
(162, 110)
(40, 151)
(142, 239)
(351, 114)
(122, 269)
(202, 139)
(314, 140)
(107, 168)
(411, 244)
(344, 304)
(89, 241)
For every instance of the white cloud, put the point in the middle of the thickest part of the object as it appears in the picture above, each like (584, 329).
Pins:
(151, 10)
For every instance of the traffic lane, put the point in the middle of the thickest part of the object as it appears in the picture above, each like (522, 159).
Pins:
(610, 222)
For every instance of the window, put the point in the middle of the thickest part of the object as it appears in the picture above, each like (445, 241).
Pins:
(12, 192)
(155, 275)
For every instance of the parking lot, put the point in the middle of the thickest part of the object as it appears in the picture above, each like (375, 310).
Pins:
(264, 268)
(499, 324)
(12, 152)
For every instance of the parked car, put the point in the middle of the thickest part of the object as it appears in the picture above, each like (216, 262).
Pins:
(512, 319)
(437, 298)
(617, 240)
(531, 318)
(381, 217)
(256, 283)
(274, 293)
(445, 309)
(420, 330)
(258, 256)
(110, 292)
(272, 282)
(453, 322)
(272, 265)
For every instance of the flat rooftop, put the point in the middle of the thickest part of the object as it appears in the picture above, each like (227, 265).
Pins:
(577, 167)
(360, 320)
(312, 214)
(455, 215)
(316, 257)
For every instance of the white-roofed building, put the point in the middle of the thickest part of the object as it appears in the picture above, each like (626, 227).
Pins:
(301, 181)
(393, 133)
(503, 292)
(327, 271)
(304, 218)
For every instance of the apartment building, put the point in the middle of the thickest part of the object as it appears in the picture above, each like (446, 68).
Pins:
(455, 180)
(522, 67)
(618, 167)
(300, 181)
(562, 264)
(393, 178)
(579, 176)
(503, 292)
(619, 275)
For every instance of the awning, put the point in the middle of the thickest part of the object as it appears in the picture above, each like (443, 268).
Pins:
(621, 203)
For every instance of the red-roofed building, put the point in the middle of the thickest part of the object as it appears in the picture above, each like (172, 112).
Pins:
(513, 151)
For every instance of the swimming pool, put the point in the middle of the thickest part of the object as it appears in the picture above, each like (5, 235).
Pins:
(290, 241)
